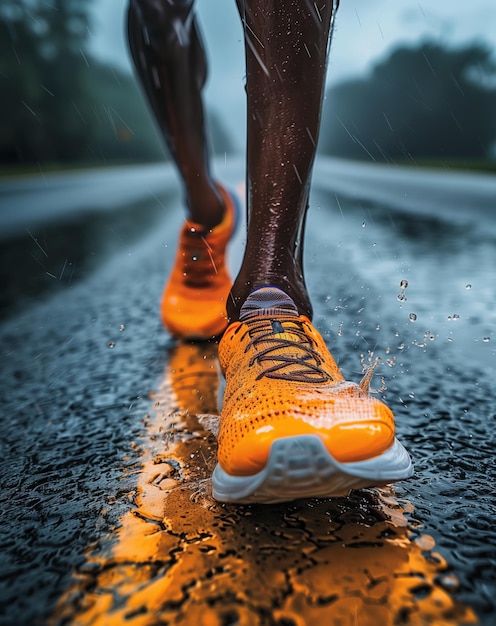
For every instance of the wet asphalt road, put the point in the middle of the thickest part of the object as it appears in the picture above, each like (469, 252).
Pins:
(82, 350)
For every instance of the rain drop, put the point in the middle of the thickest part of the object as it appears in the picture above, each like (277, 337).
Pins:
(404, 284)
(486, 339)
(364, 224)
(401, 297)
(449, 582)
(468, 286)
(412, 317)
(456, 316)
(122, 328)
(111, 344)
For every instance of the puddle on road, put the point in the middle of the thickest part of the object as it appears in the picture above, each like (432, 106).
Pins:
(181, 558)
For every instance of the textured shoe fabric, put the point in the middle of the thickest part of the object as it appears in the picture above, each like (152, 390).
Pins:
(193, 304)
(291, 426)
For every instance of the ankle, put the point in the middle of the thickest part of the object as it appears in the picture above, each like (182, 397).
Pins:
(206, 207)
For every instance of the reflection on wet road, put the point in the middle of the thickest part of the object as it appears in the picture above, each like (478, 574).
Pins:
(181, 558)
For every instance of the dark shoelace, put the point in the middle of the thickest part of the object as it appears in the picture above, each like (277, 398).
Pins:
(266, 340)
(199, 267)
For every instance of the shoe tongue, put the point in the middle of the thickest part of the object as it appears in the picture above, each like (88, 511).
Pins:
(267, 301)
(286, 352)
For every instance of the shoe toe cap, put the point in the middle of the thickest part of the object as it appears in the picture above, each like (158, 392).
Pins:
(352, 429)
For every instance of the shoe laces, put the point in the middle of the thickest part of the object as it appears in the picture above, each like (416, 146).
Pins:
(285, 353)
(198, 264)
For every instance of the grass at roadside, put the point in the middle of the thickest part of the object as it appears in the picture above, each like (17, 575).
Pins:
(9, 172)
(469, 165)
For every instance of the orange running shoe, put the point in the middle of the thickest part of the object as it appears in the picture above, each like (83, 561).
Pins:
(291, 426)
(193, 303)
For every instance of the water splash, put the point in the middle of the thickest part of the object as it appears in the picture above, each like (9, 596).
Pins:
(364, 384)
(401, 297)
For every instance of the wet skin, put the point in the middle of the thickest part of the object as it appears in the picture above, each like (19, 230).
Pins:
(286, 53)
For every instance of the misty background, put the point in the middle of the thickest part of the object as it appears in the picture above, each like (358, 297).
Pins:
(406, 84)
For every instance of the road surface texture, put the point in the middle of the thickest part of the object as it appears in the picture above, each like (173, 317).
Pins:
(108, 425)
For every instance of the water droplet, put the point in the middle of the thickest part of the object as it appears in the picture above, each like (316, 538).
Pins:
(111, 344)
(456, 316)
(449, 582)
(401, 346)
(468, 286)
(364, 224)
(378, 327)
(412, 317)
(122, 327)
(401, 297)
(404, 284)
(486, 339)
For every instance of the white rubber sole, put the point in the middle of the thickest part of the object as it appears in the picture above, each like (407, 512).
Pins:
(301, 467)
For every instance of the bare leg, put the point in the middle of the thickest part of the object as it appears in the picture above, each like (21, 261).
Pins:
(286, 55)
(169, 58)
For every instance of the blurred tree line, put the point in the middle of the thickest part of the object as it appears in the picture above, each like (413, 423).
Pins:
(427, 102)
(60, 106)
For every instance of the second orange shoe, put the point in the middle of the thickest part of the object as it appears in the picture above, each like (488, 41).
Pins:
(291, 426)
(193, 304)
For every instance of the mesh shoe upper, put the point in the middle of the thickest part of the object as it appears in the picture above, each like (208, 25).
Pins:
(193, 304)
(282, 381)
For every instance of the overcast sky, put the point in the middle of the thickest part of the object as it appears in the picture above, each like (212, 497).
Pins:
(366, 30)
